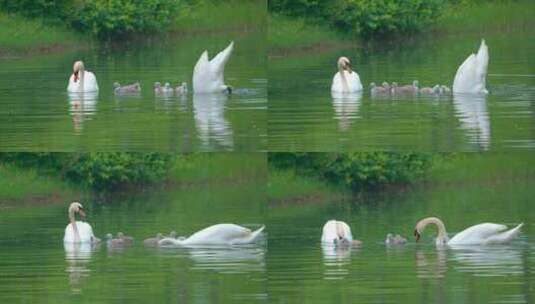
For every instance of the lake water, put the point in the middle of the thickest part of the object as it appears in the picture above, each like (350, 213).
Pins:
(35, 267)
(300, 270)
(36, 114)
(303, 116)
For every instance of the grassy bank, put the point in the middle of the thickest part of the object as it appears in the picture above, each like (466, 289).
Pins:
(26, 186)
(291, 34)
(21, 36)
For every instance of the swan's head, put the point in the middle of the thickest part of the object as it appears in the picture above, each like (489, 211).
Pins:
(184, 85)
(167, 85)
(344, 64)
(172, 234)
(77, 68)
(109, 236)
(159, 236)
(386, 85)
(157, 85)
(394, 84)
(76, 207)
(437, 89)
(372, 85)
(116, 85)
(227, 90)
(120, 235)
(415, 83)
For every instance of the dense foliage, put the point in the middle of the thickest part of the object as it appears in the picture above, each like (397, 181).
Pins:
(98, 171)
(358, 171)
(364, 17)
(104, 18)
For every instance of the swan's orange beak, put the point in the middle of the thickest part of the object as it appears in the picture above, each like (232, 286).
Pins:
(82, 213)
(76, 76)
(417, 235)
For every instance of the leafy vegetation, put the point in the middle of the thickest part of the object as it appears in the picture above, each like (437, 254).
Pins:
(366, 18)
(358, 171)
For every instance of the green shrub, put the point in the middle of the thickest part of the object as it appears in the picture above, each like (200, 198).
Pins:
(357, 171)
(110, 18)
(365, 17)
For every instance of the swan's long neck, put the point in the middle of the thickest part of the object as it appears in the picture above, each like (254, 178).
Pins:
(81, 72)
(74, 227)
(442, 234)
(345, 86)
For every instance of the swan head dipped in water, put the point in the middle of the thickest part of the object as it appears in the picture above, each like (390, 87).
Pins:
(442, 237)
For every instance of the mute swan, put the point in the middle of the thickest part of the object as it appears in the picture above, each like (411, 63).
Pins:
(208, 74)
(480, 234)
(126, 89)
(471, 75)
(345, 80)
(82, 80)
(78, 231)
(181, 89)
(153, 242)
(379, 90)
(395, 240)
(220, 234)
(338, 233)
(430, 91)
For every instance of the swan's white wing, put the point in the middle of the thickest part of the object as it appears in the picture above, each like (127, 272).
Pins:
(218, 234)
(84, 229)
(353, 83)
(217, 64)
(504, 237)
(476, 234)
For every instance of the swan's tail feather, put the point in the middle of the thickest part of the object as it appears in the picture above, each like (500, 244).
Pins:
(255, 235)
(219, 61)
(482, 59)
(506, 236)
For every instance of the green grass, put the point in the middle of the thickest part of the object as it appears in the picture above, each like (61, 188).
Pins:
(23, 35)
(487, 16)
(289, 32)
(23, 184)
(285, 185)
(452, 168)
(230, 15)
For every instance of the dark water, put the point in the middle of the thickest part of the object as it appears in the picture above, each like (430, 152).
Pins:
(299, 269)
(36, 114)
(303, 116)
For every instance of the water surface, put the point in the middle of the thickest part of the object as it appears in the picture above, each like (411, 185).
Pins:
(37, 114)
(303, 116)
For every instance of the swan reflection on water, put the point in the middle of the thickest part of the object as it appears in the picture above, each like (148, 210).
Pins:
(213, 129)
(491, 260)
(82, 106)
(471, 109)
(337, 260)
(429, 267)
(78, 256)
(346, 107)
(223, 259)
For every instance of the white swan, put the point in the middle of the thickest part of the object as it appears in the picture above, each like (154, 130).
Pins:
(480, 234)
(337, 233)
(82, 80)
(78, 231)
(346, 80)
(220, 234)
(208, 74)
(471, 75)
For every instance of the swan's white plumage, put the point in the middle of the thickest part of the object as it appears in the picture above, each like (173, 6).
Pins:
(471, 75)
(485, 234)
(352, 80)
(219, 234)
(208, 75)
(85, 231)
(90, 83)
(333, 230)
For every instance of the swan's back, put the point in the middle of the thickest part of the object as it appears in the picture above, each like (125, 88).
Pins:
(84, 229)
(330, 233)
(222, 234)
(352, 79)
(471, 75)
(90, 83)
(477, 234)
